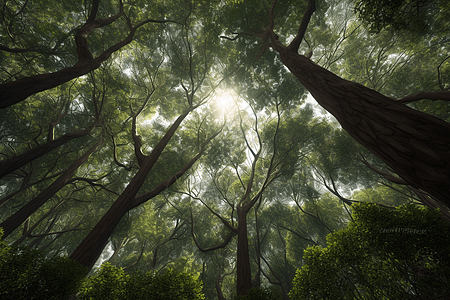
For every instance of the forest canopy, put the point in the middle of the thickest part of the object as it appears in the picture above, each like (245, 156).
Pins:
(217, 138)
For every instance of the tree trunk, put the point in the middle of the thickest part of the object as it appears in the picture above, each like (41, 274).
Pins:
(20, 160)
(92, 246)
(10, 224)
(414, 144)
(244, 275)
(16, 91)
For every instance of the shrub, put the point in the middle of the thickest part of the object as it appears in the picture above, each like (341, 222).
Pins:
(113, 283)
(27, 274)
(400, 253)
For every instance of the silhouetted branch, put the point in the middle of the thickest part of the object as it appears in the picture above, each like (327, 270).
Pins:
(221, 245)
(438, 95)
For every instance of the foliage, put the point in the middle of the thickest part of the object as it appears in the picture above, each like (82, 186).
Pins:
(383, 254)
(416, 16)
(383, 195)
(28, 274)
(212, 46)
(113, 283)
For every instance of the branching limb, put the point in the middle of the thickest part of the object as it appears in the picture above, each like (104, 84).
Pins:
(314, 216)
(426, 199)
(115, 156)
(278, 282)
(224, 221)
(92, 182)
(385, 174)
(300, 236)
(295, 44)
(138, 200)
(438, 95)
(221, 245)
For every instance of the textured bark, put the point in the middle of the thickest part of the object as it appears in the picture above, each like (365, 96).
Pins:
(92, 246)
(10, 224)
(414, 144)
(244, 275)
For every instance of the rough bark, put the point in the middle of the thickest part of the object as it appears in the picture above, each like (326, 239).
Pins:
(414, 144)
(10, 224)
(16, 91)
(92, 246)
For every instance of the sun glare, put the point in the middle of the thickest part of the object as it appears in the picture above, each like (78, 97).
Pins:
(225, 100)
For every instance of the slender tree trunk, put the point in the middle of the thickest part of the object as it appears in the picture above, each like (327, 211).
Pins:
(10, 224)
(20, 160)
(414, 144)
(244, 274)
(117, 247)
(92, 246)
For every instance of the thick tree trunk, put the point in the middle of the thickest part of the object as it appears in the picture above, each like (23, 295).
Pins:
(10, 224)
(16, 91)
(244, 275)
(414, 144)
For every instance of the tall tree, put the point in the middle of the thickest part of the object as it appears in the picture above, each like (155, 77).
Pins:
(414, 144)
(274, 150)
(18, 90)
(193, 72)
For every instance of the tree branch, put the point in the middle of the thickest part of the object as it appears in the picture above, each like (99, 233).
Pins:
(300, 236)
(385, 174)
(138, 200)
(312, 215)
(438, 95)
(221, 245)
(295, 44)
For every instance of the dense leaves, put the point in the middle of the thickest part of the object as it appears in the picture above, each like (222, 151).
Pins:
(113, 283)
(267, 162)
(409, 245)
(28, 274)
(417, 16)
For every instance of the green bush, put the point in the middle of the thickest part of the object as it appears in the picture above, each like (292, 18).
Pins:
(113, 283)
(401, 253)
(27, 274)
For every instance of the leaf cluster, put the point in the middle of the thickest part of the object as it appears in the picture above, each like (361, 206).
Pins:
(382, 254)
(28, 274)
(113, 283)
